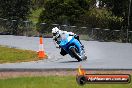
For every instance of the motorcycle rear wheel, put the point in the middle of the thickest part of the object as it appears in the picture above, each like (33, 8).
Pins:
(75, 54)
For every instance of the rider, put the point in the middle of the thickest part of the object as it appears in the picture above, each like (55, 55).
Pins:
(57, 35)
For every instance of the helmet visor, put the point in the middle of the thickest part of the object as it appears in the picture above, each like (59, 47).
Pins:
(54, 34)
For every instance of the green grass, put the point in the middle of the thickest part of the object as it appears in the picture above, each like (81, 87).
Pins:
(84, 37)
(16, 55)
(53, 82)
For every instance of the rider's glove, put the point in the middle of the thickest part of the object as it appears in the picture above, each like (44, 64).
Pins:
(58, 47)
(76, 36)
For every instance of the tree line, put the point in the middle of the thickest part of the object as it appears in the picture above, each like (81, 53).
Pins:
(112, 14)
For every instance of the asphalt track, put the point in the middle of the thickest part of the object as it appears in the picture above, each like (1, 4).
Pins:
(101, 55)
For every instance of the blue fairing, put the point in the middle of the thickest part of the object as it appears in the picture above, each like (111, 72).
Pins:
(69, 42)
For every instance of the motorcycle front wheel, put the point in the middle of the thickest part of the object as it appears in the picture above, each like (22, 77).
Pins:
(75, 54)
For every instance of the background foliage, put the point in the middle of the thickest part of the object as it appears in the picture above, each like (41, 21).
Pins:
(112, 14)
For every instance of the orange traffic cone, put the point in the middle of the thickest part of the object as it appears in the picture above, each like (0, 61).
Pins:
(41, 53)
(81, 71)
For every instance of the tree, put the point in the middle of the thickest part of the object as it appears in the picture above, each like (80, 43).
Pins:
(15, 10)
(38, 3)
(119, 8)
(57, 11)
(101, 18)
(63, 11)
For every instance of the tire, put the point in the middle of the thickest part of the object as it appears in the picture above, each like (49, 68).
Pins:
(75, 54)
(81, 80)
(85, 58)
(63, 52)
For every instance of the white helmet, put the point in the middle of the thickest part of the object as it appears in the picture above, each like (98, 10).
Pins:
(55, 32)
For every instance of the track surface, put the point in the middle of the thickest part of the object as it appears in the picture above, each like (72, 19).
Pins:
(101, 55)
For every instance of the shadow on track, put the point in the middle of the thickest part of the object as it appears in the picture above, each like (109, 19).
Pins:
(69, 62)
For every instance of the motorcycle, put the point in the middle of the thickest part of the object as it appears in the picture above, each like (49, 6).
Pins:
(72, 47)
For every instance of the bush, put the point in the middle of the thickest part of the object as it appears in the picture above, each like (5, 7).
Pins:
(100, 18)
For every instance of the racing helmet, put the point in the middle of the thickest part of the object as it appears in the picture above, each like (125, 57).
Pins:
(55, 32)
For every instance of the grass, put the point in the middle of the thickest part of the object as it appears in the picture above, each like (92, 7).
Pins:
(53, 82)
(84, 37)
(16, 55)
